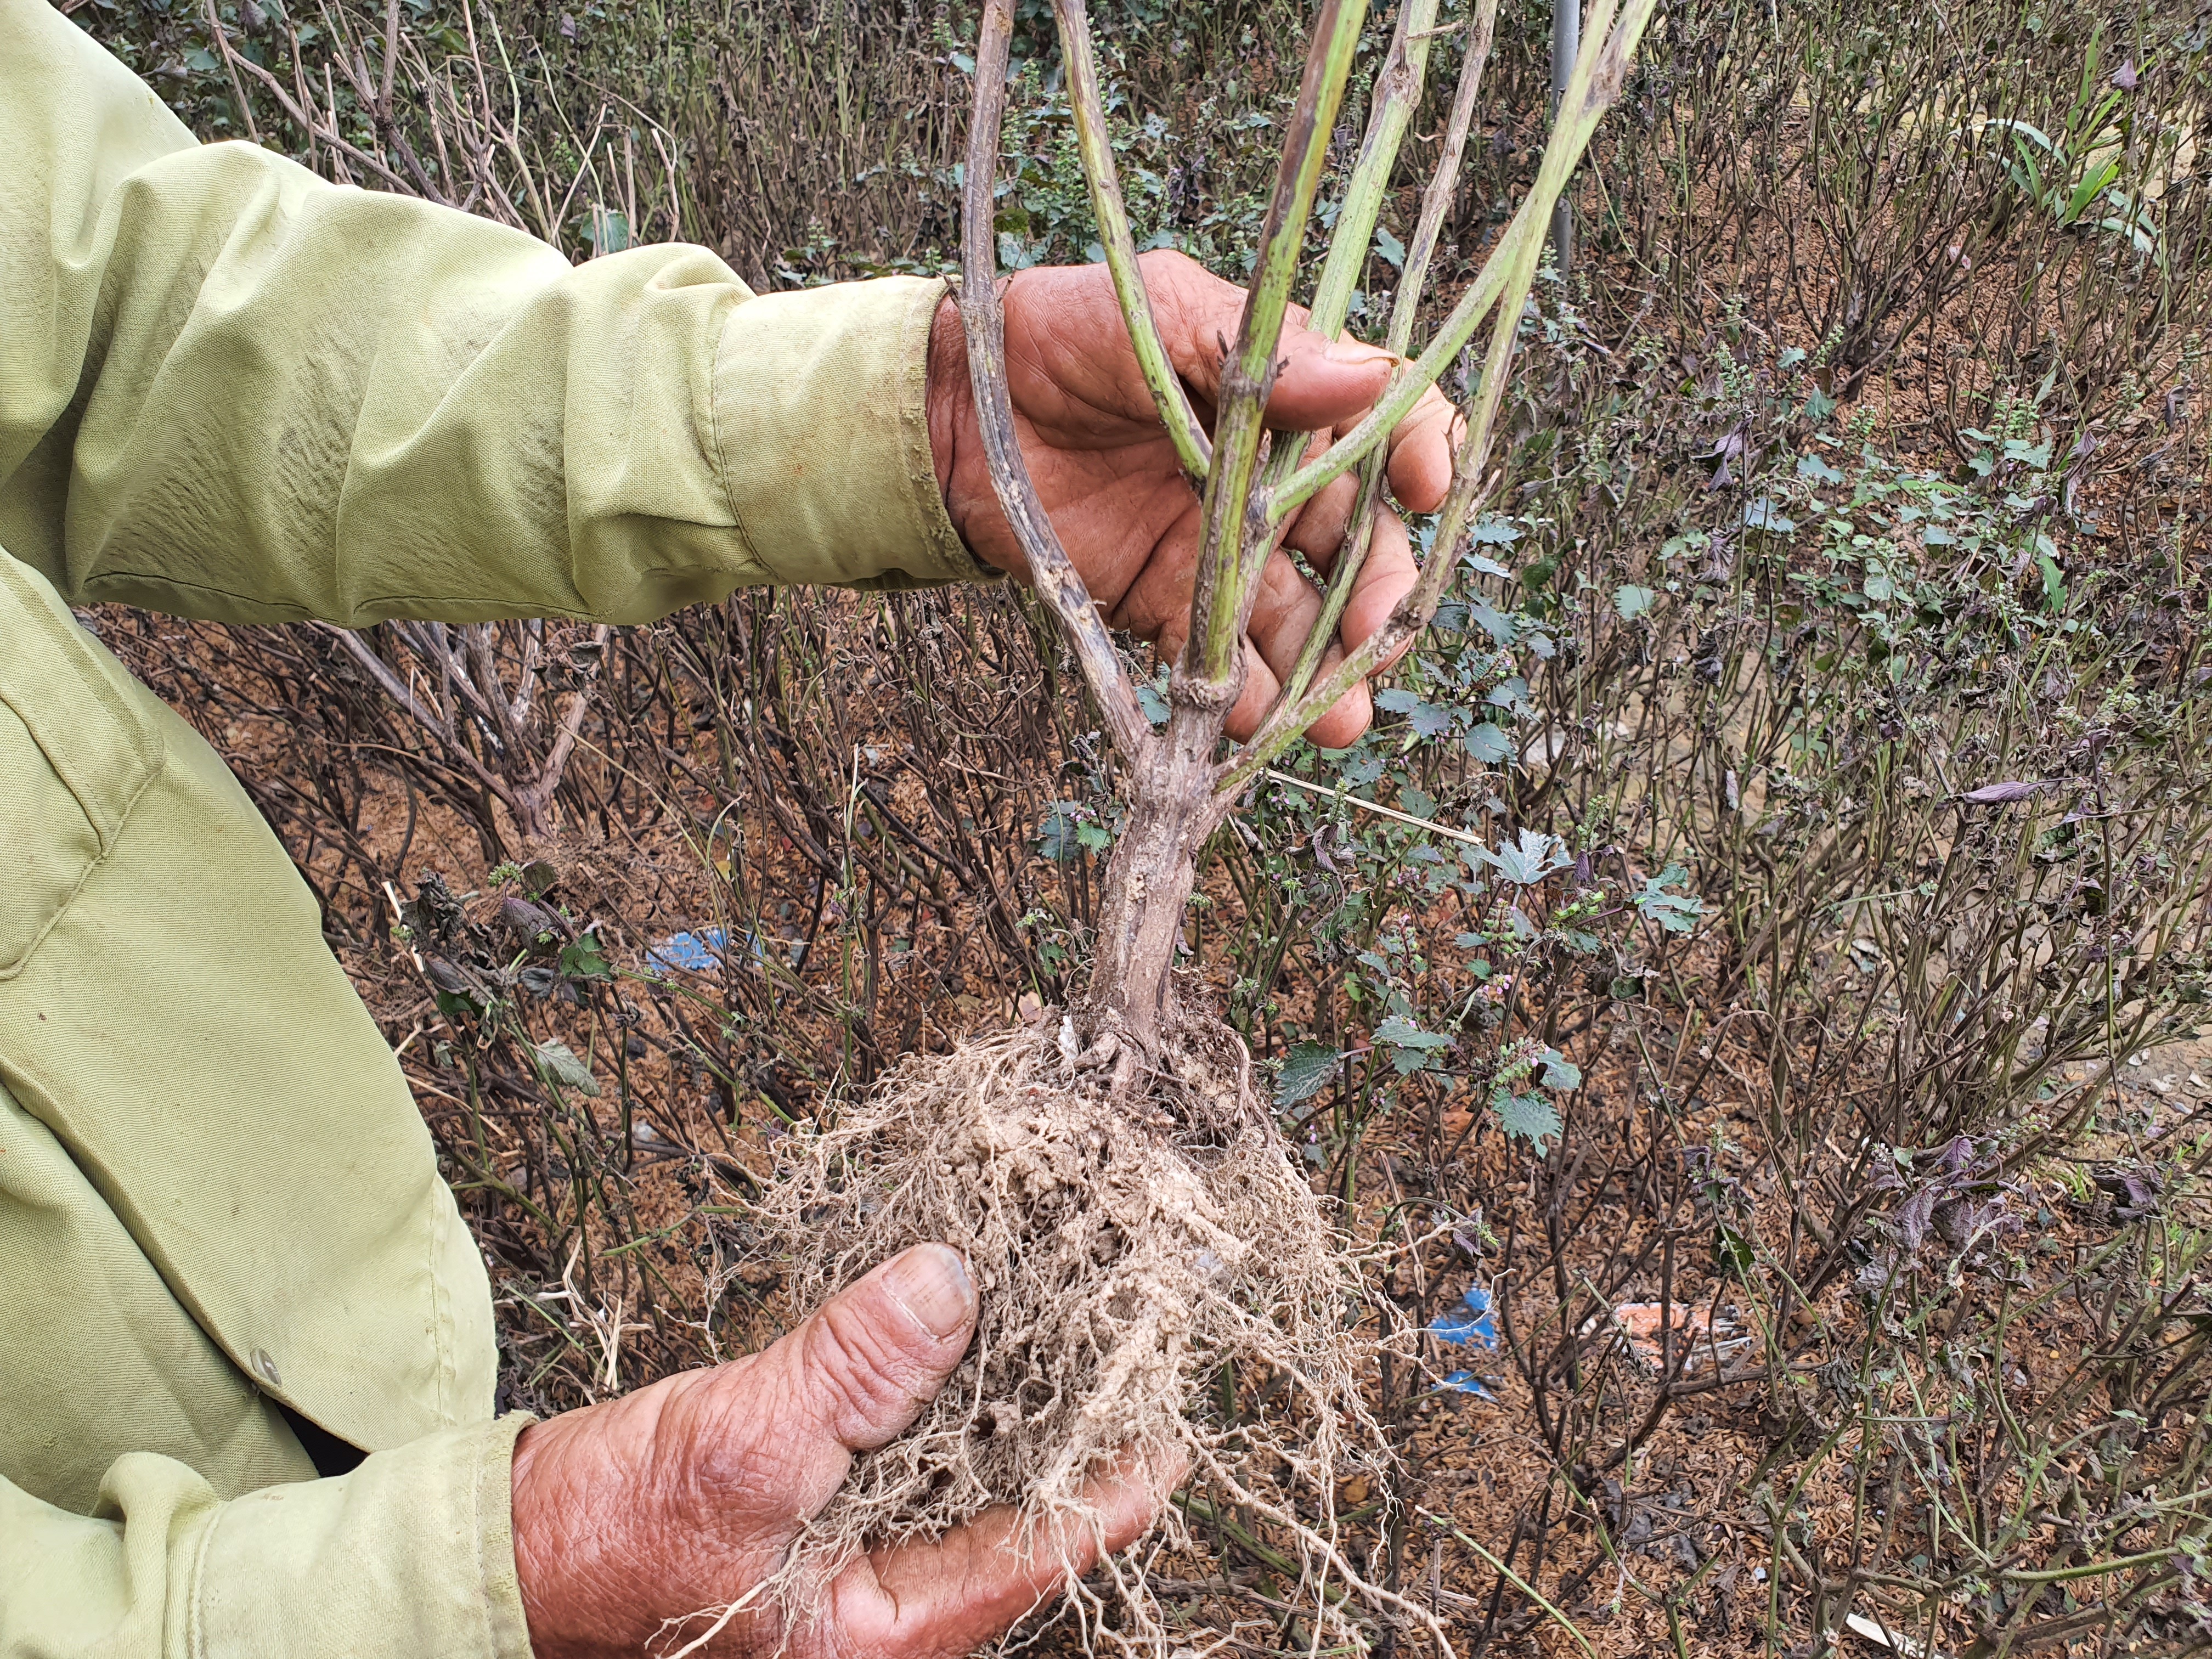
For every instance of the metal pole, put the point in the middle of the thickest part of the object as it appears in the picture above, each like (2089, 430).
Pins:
(1566, 41)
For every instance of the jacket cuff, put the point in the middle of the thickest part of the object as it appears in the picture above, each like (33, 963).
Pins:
(411, 1555)
(823, 429)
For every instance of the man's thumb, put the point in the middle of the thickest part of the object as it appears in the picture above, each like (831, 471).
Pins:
(874, 1355)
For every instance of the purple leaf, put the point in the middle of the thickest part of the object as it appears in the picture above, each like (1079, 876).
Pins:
(1914, 1215)
(1996, 794)
(2125, 76)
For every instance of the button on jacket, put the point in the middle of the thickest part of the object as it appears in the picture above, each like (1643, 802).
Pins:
(231, 390)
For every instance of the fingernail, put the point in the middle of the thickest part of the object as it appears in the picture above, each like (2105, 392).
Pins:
(931, 1283)
(1356, 354)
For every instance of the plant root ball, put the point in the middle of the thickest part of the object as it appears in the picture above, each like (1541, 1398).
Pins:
(1136, 1235)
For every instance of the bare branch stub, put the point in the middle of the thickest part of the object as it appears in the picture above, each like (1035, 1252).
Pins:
(983, 316)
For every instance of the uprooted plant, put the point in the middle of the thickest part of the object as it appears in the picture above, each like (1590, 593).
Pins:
(1138, 1236)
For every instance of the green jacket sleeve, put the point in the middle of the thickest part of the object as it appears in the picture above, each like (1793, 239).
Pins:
(408, 1555)
(230, 389)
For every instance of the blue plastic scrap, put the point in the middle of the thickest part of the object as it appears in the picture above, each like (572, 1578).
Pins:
(703, 952)
(1473, 1324)
(698, 951)
(1466, 1382)
(1477, 1326)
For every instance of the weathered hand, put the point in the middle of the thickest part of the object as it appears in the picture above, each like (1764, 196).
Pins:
(1108, 476)
(680, 1498)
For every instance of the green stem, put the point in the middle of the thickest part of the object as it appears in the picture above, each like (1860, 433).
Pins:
(1596, 82)
(1592, 88)
(1095, 149)
(1216, 608)
(1518, 1582)
(1397, 94)
(1406, 388)
(1436, 201)
(2090, 1569)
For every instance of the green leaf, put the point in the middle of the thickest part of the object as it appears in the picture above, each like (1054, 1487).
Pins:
(1058, 835)
(1763, 514)
(2054, 583)
(1155, 705)
(1306, 1070)
(1494, 621)
(1677, 913)
(1813, 467)
(1094, 836)
(1399, 1032)
(1487, 743)
(607, 230)
(1392, 250)
(585, 959)
(1528, 1117)
(1511, 693)
(2018, 128)
(1361, 769)
(1732, 1250)
(1528, 861)
(1425, 718)
(1491, 531)
(1559, 1072)
(1632, 602)
(558, 1065)
(1409, 1047)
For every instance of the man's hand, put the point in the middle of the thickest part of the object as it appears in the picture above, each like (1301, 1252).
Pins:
(679, 1499)
(1108, 476)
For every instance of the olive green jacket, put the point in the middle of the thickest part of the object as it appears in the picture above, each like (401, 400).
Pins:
(230, 390)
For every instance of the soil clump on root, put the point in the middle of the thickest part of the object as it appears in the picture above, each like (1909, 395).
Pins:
(1136, 1235)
